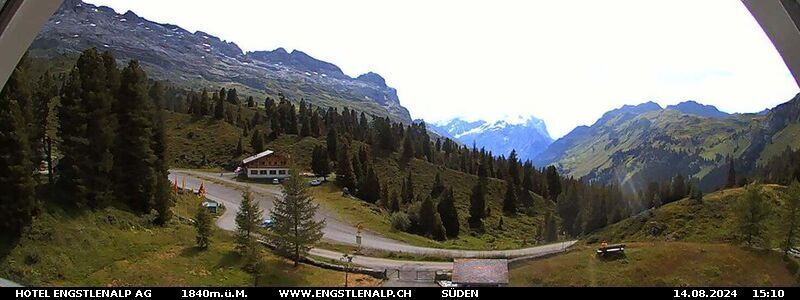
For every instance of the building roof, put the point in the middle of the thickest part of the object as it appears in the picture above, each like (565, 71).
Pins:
(257, 156)
(480, 271)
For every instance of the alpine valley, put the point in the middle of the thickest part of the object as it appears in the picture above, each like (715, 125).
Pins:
(638, 144)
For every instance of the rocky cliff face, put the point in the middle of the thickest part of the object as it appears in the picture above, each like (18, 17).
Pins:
(198, 59)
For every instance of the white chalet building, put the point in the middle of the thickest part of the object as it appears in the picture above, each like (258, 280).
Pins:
(267, 164)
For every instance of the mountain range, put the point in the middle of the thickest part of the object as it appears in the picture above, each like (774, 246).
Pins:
(636, 144)
(528, 137)
(197, 60)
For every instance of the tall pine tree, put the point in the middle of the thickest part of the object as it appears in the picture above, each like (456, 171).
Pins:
(296, 230)
(17, 199)
(448, 213)
(345, 177)
(135, 172)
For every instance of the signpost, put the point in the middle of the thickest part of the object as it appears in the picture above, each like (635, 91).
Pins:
(347, 259)
(359, 228)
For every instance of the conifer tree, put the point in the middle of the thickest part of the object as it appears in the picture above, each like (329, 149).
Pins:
(305, 127)
(438, 186)
(135, 172)
(332, 143)
(407, 189)
(72, 179)
(163, 198)
(427, 217)
(203, 226)
(510, 199)
(257, 141)
(370, 187)
(408, 149)
(17, 199)
(320, 164)
(156, 94)
(752, 211)
(233, 97)
(295, 229)
(251, 102)
(448, 213)
(791, 220)
(345, 177)
(731, 180)
(239, 147)
(205, 103)
(553, 183)
(219, 108)
(87, 132)
(513, 168)
(384, 200)
(438, 233)
(551, 228)
(223, 94)
(358, 169)
(477, 200)
(394, 204)
(46, 90)
(247, 219)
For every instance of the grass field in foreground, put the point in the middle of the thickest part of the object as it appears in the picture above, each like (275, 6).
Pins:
(659, 264)
(113, 247)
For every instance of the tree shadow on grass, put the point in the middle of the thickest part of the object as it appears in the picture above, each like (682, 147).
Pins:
(229, 259)
(191, 251)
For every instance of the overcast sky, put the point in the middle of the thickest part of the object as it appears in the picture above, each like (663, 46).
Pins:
(566, 62)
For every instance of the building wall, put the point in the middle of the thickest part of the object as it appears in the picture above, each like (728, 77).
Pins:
(277, 172)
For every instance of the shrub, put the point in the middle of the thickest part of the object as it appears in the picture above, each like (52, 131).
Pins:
(400, 221)
(32, 258)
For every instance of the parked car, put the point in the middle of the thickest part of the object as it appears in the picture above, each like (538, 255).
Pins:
(446, 283)
(267, 223)
(315, 182)
(276, 181)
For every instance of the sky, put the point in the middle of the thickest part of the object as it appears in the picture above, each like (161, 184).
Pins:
(566, 62)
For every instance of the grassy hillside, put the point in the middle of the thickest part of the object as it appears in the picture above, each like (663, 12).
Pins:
(200, 142)
(712, 220)
(787, 137)
(633, 149)
(113, 247)
(659, 264)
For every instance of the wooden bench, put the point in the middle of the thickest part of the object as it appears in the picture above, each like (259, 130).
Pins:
(611, 249)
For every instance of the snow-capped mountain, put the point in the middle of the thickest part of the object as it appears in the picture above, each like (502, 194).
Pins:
(528, 135)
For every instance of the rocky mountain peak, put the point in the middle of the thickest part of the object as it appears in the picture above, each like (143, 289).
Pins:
(373, 78)
(169, 52)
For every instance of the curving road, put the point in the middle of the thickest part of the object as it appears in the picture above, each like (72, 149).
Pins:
(226, 190)
(8, 283)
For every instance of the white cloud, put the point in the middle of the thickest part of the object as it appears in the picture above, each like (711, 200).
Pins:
(566, 62)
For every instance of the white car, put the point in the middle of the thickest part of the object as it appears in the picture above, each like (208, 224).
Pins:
(267, 223)
(315, 182)
(276, 181)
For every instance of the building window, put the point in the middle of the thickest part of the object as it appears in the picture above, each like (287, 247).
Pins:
(253, 172)
(263, 172)
(282, 172)
(272, 172)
